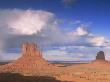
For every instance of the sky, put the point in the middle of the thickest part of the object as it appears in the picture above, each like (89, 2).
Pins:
(65, 30)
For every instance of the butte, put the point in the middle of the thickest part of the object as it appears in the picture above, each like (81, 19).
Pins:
(100, 58)
(30, 63)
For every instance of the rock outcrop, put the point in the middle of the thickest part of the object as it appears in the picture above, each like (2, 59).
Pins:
(100, 59)
(31, 62)
(100, 56)
(31, 49)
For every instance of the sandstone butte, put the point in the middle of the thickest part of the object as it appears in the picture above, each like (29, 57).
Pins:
(100, 58)
(32, 63)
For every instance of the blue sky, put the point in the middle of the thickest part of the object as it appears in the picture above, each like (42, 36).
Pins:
(95, 11)
(87, 21)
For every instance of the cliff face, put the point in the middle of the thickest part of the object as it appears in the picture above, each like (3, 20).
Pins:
(100, 59)
(31, 57)
(100, 56)
(31, 62)
(31, 49)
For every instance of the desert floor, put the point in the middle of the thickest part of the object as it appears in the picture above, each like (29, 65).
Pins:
(98, 71)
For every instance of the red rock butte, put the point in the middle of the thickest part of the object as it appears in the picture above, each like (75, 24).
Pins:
(100, 58)
(30, 63)
(31, 49)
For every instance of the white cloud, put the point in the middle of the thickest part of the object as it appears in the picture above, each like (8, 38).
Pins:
(98, 41)
(30, 21)
(107, 53)
(10, 56)
(81, 31)
(18, 26)
(89, 38)
(59, 55)
(69, 54)
(17, 23)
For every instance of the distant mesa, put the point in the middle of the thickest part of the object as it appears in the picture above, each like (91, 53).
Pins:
(100, 59)
(100, 55)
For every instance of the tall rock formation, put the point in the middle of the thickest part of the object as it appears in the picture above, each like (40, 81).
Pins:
(100, 59)
(100, 56)
(31, 49)
(31, 62)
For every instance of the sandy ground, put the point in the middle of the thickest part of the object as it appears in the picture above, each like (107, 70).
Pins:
(98, 71)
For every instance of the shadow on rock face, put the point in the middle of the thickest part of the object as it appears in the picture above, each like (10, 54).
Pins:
(100, 55)
(15, 77)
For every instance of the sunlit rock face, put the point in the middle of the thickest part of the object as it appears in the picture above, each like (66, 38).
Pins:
(100, 56)
(31, 49)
